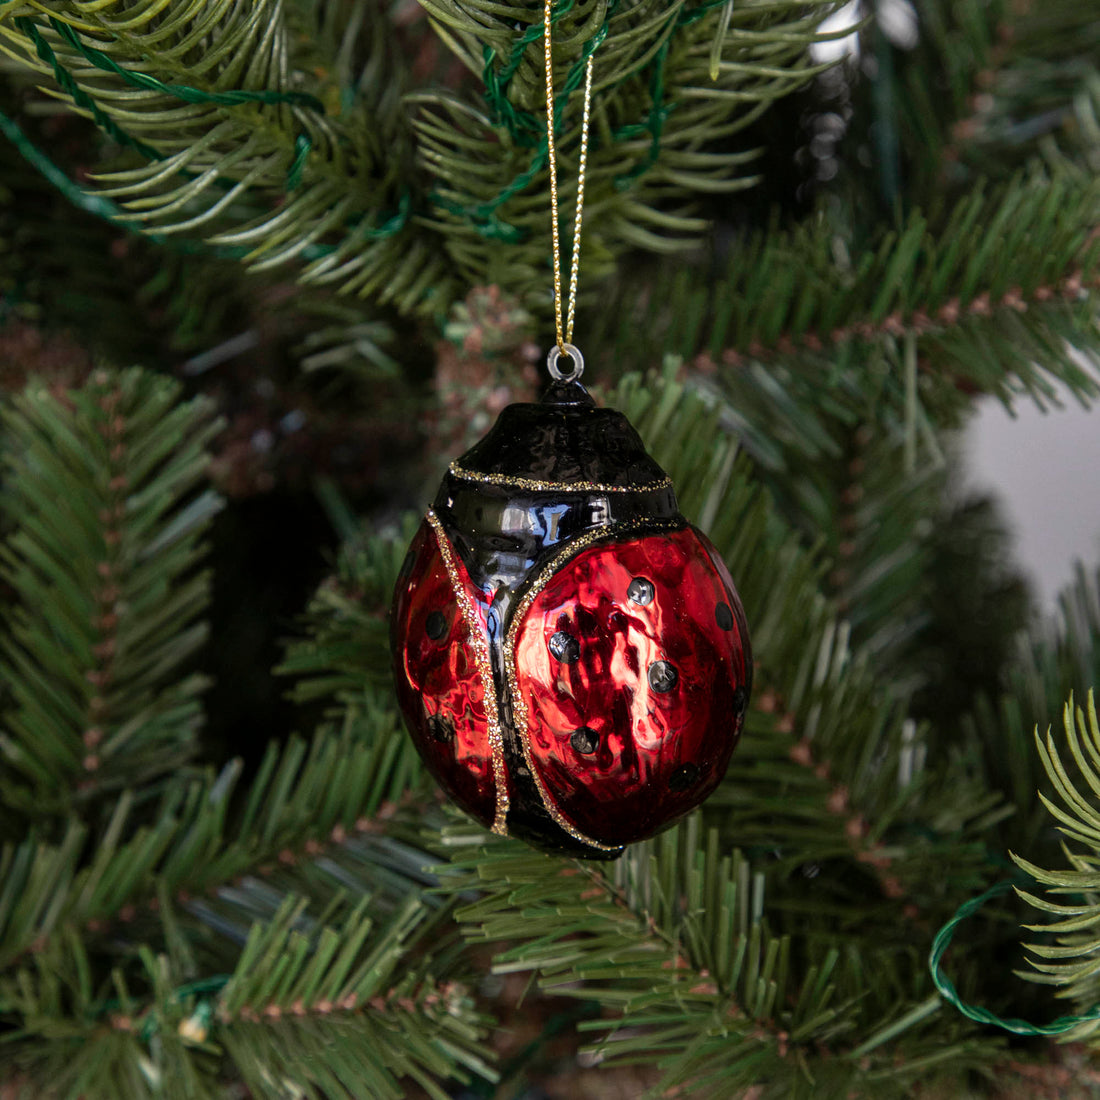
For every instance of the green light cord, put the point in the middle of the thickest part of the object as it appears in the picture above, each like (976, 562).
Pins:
(981, 1015)
(302, 148)
(179, 91)
(659, 111)
(302, 144)
(204, 985)
(103, 207)
(695, 14)
(523, 126)
(150, 1022)
(67, 84)
(90, 202)
(100, 205)
(654, 124)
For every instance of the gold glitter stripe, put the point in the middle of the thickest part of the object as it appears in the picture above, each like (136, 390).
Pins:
(480, 645)
(519, 705)
(555, 486)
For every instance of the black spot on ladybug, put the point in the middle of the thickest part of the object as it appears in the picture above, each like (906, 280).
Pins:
(723, 616)
(436, 625)
(640, 591)
(406, 565)
(585, 740)
(740, 701)
(662, 677)
(440, 727)
(564, 647)
(685, 776)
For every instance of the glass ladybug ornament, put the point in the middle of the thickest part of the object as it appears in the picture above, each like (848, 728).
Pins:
(569, 653)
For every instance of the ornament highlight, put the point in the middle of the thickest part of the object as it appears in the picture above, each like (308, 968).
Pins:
(569, 653)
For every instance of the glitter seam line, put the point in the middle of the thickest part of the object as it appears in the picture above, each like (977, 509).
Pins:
(484, 666)
(519, 707)
(554, 486)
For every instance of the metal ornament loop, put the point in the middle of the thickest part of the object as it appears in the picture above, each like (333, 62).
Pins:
(555, 355)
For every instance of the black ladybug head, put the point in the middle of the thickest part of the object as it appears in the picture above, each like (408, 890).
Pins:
(564, 441)
(546, 472)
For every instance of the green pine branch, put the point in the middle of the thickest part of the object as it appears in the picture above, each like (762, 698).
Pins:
(672, 945)
(354, 989)
(994, 296)
(104, 486)
(278, 164)
(205, 833)
(1069, 899)
(990, 85)
(1050, 664)
(340, 1005)
(212, 887)
(268, 165)
(671, 86)
(872, 509)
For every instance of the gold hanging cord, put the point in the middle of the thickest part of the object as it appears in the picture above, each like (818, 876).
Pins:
(563, 346)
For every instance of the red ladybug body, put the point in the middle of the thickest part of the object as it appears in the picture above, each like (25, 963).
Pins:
(570, 655)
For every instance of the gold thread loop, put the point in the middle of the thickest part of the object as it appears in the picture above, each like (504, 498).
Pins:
(565, 334)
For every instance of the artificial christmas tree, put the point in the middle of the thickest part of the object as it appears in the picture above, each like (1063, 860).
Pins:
(322, 226)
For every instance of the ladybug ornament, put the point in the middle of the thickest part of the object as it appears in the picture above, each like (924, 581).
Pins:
(570, 654)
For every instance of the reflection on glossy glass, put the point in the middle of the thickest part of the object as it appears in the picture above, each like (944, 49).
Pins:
(439, 684)
(655, 682)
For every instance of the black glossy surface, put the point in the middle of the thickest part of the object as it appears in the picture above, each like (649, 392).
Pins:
(564, 438)
(502, 532)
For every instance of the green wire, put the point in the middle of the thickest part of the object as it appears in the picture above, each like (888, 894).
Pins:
(983, 1015)
(180, 91)
(482, 216)
(88, 201)
(523, 126)
(302, 144)
(149, 1028)
(654, 124)
(67, 84)
(103, 207)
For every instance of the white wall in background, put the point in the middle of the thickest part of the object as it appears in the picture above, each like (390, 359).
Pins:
(1045, 467)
